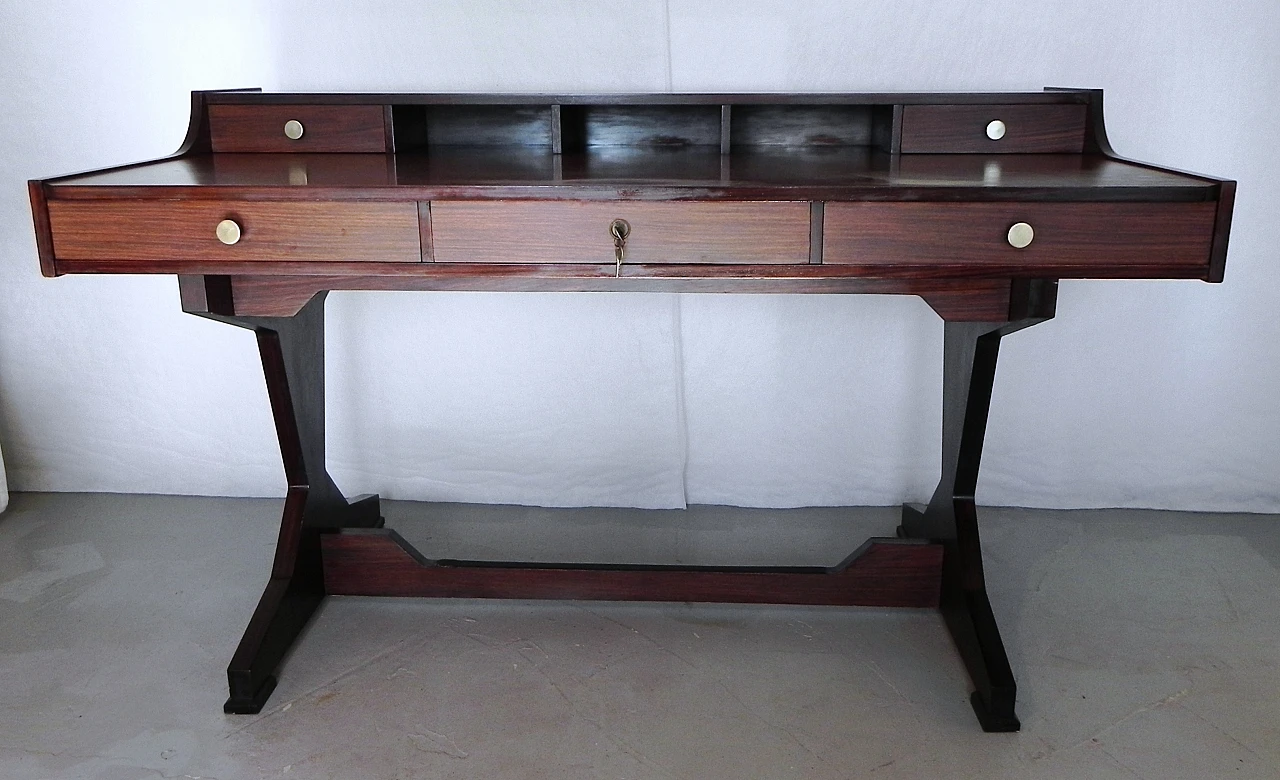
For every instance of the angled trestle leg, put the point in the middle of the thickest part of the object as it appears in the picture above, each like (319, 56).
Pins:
(970, 350)
(292, 350)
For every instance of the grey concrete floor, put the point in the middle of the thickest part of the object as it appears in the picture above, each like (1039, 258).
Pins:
(1145, 644)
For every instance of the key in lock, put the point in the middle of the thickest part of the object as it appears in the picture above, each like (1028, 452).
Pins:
(619, 229)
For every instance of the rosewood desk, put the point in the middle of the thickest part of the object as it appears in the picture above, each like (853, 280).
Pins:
(978, 203)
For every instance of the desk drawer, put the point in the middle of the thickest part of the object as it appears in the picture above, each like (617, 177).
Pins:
(268, 231)
(1040, 129)
(1085, 236)
(269, 128)
(746, 233)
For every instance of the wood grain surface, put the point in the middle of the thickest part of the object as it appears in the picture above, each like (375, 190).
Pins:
(140, 231)
(44, 233)
(1070, 238)
(652, 126)
(882, 573)
(983, 300)
(963, 128)
(578, 232)
(694, 173)
(420, 127)
(783, 125)
(260, 128)
(643, 98)
(1221, 231)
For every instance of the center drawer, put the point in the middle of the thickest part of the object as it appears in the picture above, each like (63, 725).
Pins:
(216, 230)
(510, 231)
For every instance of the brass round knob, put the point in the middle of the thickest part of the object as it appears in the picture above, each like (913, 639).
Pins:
(293, 129)
(1021, 235)
(228, 231)
(995, 129)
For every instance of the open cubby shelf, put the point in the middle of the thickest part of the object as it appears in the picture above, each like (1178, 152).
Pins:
(582, 127)
(419, 127)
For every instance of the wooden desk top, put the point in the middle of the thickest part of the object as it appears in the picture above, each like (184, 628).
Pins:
(840, 173)
(913, 193)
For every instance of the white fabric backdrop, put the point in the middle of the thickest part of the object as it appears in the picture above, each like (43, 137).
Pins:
(1156, 394)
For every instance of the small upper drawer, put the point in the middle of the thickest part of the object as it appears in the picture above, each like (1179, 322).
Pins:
(289, 128)
(993, 129)
(514, 231)
(210, 230)
(1076, 239)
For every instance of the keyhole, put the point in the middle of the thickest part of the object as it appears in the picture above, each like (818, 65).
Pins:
(620, 229)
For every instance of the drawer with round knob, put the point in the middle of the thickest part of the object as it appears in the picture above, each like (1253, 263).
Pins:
(234, 231)
(620, 233)
(1067, 239)
(994, 129)
(297, 128)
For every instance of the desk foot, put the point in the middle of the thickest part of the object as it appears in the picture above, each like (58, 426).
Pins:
(284, 610)
(994, 720)
(966, 611)
(292, 596)
(251, 705)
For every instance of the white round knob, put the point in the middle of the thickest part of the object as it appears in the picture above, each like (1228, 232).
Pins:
(293, 129)
(995, 129)
(228, 231)
(1021, 235)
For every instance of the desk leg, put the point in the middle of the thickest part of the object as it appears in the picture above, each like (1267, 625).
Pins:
(292, 350)
(969, 366)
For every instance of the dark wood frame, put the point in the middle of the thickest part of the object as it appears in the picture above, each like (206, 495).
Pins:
(330, 546)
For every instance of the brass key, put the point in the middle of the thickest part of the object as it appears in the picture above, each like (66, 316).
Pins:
(619, 229)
